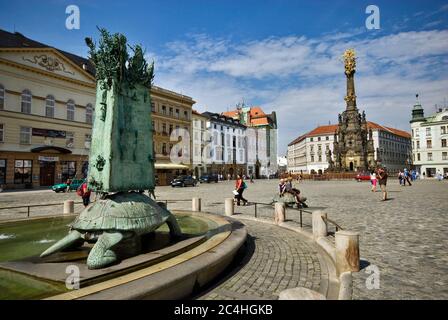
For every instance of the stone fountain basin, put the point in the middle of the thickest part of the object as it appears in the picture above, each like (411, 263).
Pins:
(169, 272)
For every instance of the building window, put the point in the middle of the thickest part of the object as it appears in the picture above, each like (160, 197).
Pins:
(418, 144)
(2, 132)
(429, 156)
(89, 110)
(68, 170)
(177, 113)
(26, 101)
(23, 171)
(164, 149)
(171, 112)
(25, 135)
(428, 132)
(318, 138)
(442, 129)
(311, 139)
(171, 129)
(70, 110)
(320, 158)
(418, 156)
(69, 140)
(444, 155)
(87, 141)
(153, 107)
(2, 171)
(443, 143)
(2, 97)
(327, 138)
(49, 106)
(312, 158)
(417, 133)
(241, 156)
(186, 115)
(164, 110)
(164, 128)
(429, 144)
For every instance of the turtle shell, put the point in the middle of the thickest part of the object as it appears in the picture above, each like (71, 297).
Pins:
(129, 211)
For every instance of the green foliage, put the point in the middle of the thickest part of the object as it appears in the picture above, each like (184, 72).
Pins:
(112, 61)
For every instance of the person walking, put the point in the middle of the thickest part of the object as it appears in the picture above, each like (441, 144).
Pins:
(373, 180)
(68, 183)
(400, 178)
(406, 177)
(84, 192)
(382, 180)
(240, 185)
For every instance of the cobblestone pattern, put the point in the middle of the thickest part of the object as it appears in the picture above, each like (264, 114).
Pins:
(276, 259)
(405, 237)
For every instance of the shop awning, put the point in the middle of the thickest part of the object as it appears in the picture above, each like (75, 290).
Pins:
(170, 166)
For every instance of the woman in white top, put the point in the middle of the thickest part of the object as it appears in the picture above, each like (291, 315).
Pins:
(373, 181)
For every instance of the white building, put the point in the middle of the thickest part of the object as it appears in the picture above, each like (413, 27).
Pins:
(309, 152)
(200, 139)
(226, 148)
(429, 141)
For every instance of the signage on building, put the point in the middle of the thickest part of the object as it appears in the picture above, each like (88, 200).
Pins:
(49, 133)
(48, 159)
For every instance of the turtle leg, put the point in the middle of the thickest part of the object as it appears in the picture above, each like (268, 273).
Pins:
(101, 254)
(73, 237)
(175, 231)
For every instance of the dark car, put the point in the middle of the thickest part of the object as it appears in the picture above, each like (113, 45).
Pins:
(364, 176)
(183, 181)
(209, 178)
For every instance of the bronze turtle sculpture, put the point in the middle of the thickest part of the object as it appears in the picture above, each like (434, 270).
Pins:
(109, 221)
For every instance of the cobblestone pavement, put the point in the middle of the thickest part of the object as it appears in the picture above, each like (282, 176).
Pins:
(405, 237)
(275, 259)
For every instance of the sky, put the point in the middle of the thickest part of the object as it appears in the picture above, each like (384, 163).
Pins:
(284, 56)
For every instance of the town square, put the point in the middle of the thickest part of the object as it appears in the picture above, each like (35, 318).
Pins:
(210, 165)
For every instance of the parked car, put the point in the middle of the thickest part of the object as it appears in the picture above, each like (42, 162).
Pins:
(62, 187)
(209, 178)
(183, 181)
(364, 176)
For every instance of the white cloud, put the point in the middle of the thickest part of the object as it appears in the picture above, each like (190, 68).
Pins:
(303, 80)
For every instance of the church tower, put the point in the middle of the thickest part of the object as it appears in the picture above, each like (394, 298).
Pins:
(353, 142)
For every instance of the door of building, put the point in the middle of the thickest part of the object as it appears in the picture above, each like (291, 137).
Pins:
(47, 171)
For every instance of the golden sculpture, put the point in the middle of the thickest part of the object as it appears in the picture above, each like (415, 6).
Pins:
(349, 57)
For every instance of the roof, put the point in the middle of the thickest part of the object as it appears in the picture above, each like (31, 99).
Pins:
(330, 129)
(225, 120)
(18, 40)
(231, 114)
(256, 115)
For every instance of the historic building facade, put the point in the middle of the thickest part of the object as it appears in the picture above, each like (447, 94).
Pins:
(46, 105)
(46, 112)
(262, 139)
(312, 152)
(225, 151)
(172, 118)
(353, 143)
(429, 142)
(200, 139)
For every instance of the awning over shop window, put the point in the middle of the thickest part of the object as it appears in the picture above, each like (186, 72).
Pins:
(170, 166)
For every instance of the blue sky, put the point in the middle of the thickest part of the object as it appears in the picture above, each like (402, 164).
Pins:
(282, 55)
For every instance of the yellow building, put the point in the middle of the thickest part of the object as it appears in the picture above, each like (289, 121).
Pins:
(170, 111)
(46, 105)
(46, 99)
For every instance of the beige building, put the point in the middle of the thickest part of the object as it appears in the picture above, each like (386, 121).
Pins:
(46, 110)
(171, 116)
(46, 99)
